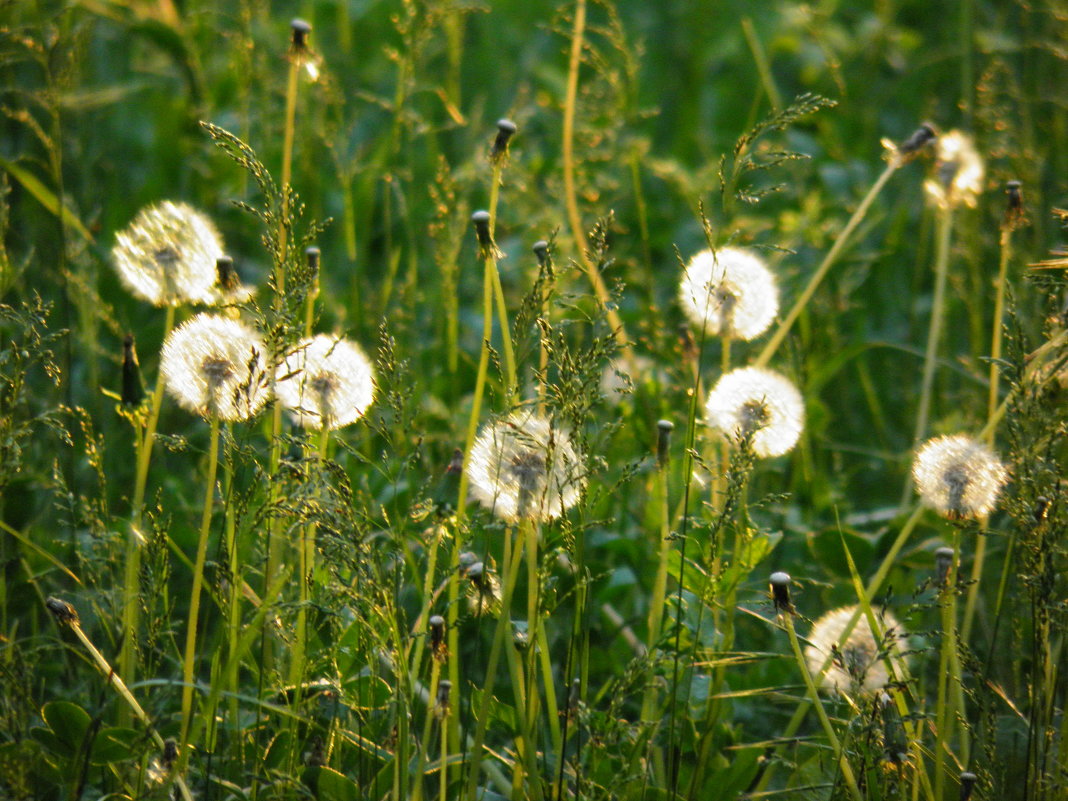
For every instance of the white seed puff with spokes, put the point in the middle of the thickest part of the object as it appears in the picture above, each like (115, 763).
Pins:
(526, 467)
(729, 292)
(858, 666)
(325, 382)
(216, 365)
(760, 405)
(959, 477)
(167, 255)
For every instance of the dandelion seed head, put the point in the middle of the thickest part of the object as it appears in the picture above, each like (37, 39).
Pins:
(167, 255)
(759, 405)
(959, 171)
(958, 476)
(213, 364)
(730, 292)
(524, 466)
(325, 381)
(857, 666)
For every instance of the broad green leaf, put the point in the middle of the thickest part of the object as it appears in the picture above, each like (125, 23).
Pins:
(69, 722)
(46, 197)
(329, 785)
(115, 745)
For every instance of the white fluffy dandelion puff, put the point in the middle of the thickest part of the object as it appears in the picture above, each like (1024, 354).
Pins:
(325, 382)
(858, 665)
(215, 365)
(759, 405)
(526, 467)
(958, 476)
(730, 292)
(167, 255)
(958, 177)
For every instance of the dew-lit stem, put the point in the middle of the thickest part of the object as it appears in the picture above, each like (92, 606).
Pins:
(198, 580)
(828, 261)
(131, 610)
(821, 713)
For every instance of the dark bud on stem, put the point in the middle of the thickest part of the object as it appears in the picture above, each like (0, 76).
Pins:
(170, 753)
(225, 274)
(943, 562)
(663, 441)
(1041, 510)
(1014, 209)
(541, 250)
(444, 691)
(967, 784)
(312, 255)
(299, 30)
(132, 391)
(456, 464)
(919, 140)
(481, 221)
(437, 635)
(62, 610)
(780, 592)
(505, 131)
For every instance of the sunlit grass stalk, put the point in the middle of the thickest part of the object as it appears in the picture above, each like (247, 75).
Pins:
(828, 261)
(131, 610)
(821, 713)
(578, 33)
(190, 653)
(934, 333)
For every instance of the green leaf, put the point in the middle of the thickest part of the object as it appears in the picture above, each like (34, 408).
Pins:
(368, 692)
(115, 745)
(46, 197)
(329, 785)
(828, 550)
(69, 723)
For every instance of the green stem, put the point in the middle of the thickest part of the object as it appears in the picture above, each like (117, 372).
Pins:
(198, 581)
(948, 670)
(656, 602)
(828, 261)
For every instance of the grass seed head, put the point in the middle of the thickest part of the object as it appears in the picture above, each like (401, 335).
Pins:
(729, 292)
(526, 467)
(215, 365)
(757, 405)
(858, 667)
(167, 255)
(958, 476)
(325, 382)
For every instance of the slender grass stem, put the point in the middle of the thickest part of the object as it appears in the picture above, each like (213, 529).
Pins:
(189, 658)
(828, 261)
(512, 387)
(948, 671)
(131, 609)
(657, 600)
(287, 160)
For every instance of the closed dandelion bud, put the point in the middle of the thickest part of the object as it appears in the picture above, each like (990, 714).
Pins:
(858, 665)
(729, 292)
(943, 562)
(326, 382)
(663, 441)
(958, 476)
(298, 33)
(505, 131)
(215, 366)
(312, 256)
(481, 221)
(62, 611)
(483, 589)
(167, 255)
(541, 251)
(1041, 509)
(895, 741)
(920, 138)
(759, 407)
(228, 287)
(959, 172)
(1014, 208)
(968, 781)
(526, 467)
(132, 390)
(442, 701)
(780, 592)
(437, 637)
(169, 754)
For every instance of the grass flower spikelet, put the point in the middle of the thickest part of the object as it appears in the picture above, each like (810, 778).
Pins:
(167, 255)
(858, 667)
(729, 292)
(526, 467)
(958, 476)
(759, 405)
(215, 365)
(959, 171)
(325, 382)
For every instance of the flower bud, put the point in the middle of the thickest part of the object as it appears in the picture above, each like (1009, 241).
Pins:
(63, 611)
(780, 592)
(505, 130)
(663, 441)
(299, 30)
(943, 562)
(541, 250)
(920, 138)
(967, 784)
(437, 637)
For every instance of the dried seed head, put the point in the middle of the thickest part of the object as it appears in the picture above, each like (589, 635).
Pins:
(958, 476)
(759, 406)
(780, 592)
(729, 292)
(167, 255)
(858, 666)
(326, 382)
(215, 365)
(959, 171)
(526, 467)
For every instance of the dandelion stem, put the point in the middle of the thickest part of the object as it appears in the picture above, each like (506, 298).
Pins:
(948, 669)
(287, 165)
(828, 261)
(656, 602)
(568, 151)
(131, 610)
(198, 580)
(498, 289)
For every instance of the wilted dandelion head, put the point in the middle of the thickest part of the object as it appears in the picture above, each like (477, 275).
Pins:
(757, 405)
(958, 476)
(858, 665)
(215, 365)
(167, 255)
(325, 382)
(525, 466)
(958, 177)
(730, 292)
